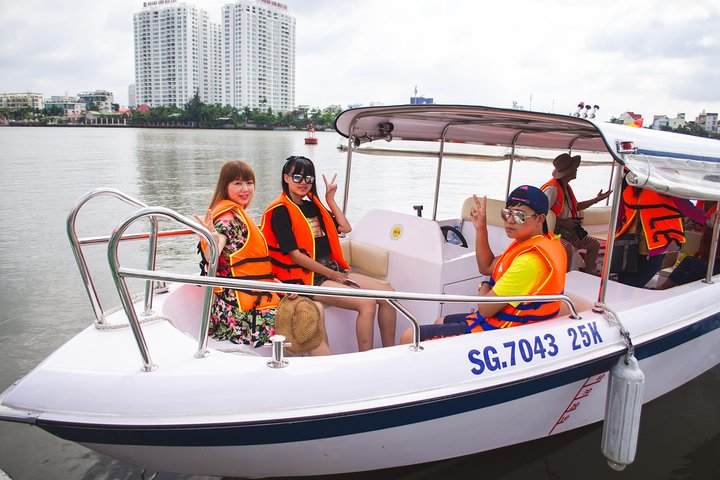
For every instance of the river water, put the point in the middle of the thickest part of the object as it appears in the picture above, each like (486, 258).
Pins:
(44, 170)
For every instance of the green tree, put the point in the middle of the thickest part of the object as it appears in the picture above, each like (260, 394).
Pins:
(194, 108)
(53, 111)
(692, 128)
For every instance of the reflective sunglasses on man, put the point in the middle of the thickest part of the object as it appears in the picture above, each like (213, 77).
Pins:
(518, 216)
(297, 178)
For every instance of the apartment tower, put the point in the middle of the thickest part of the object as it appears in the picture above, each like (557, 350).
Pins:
(259, 55)
(177, 54)
(247, 61)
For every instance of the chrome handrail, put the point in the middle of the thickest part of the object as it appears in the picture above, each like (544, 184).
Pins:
(391, 296)
(119, 275)
(134, 236)
(228, 282)
(76, 244)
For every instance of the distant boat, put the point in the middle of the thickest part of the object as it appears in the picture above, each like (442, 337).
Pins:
(311, 139)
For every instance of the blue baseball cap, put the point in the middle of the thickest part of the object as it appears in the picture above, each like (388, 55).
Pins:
(531, 196)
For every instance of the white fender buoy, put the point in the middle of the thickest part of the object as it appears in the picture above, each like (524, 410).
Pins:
(622, 412)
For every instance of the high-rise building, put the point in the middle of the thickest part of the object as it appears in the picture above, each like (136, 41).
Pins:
(176, 54)
(259, 55)
(248, 61)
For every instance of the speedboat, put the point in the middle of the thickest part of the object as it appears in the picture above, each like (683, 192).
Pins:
(144, 384)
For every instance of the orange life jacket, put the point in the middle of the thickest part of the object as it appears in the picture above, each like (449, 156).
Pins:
(283, 267)
(712, 209)
(560, 198)
(661, 220)
(702, 205)
(250, 262)
(551, 251)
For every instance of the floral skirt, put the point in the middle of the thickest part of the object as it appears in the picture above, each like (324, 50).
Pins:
(229, 322)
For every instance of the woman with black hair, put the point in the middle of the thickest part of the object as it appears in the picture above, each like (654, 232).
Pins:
(242, 316)
(304, 243)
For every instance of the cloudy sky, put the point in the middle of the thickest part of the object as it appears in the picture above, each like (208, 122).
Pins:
(647, 56)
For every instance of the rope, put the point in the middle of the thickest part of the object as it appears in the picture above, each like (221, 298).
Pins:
(614, 321)
(240, 351)
(144, 319)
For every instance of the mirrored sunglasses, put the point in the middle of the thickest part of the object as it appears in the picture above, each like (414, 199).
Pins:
(518, 216)
(297, 178)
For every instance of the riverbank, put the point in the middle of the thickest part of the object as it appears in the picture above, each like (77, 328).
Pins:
(175, 127)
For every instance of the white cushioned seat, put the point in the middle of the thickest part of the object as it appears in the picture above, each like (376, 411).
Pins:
(366, 259)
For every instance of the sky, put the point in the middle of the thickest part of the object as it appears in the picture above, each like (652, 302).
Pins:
(646, 56)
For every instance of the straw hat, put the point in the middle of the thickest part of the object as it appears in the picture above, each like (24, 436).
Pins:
(298, 319)
(564, 165)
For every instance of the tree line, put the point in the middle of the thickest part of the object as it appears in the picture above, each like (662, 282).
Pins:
(194, 114)
(690, 128)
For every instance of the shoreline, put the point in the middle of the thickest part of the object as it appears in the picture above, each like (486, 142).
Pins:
(180, 127)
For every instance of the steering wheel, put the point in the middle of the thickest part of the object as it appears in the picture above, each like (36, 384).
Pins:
(447, 228)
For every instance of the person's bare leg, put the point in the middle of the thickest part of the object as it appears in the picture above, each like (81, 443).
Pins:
(591, 254)
(387, 315)
(365, 307)
(569, 252)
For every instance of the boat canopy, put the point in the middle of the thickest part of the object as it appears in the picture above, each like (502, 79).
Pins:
(675, 164)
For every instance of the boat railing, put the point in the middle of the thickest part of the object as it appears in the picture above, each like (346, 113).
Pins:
(77, 244)
(393, 297)
(210, 281)
(151, 276)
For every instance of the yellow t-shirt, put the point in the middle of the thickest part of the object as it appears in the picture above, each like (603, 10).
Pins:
(525, 274)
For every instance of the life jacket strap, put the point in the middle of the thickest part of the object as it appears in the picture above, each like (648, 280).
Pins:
(250, 260)
(475, 321)
(523, 319)
(670, 235)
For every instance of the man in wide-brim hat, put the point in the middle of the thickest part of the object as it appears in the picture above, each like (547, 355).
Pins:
(567, 210)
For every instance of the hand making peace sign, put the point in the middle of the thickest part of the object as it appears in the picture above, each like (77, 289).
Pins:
(330, 187)
(478, 214)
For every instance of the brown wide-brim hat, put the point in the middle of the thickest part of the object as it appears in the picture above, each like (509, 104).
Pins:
(564, 165)
(298, 319)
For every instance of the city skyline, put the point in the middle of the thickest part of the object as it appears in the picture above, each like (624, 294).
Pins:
(638, 56)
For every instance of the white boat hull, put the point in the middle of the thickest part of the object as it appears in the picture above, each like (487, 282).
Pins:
(293, 428)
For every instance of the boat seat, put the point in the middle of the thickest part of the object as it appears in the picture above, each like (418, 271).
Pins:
(493, 208)
(366, 259)
(689, 248)
(596, 216)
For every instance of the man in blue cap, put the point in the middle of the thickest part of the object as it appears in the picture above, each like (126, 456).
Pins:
(534, 264)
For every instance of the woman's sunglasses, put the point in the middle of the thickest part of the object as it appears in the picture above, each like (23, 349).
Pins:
(518, 216)
(297, 178)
